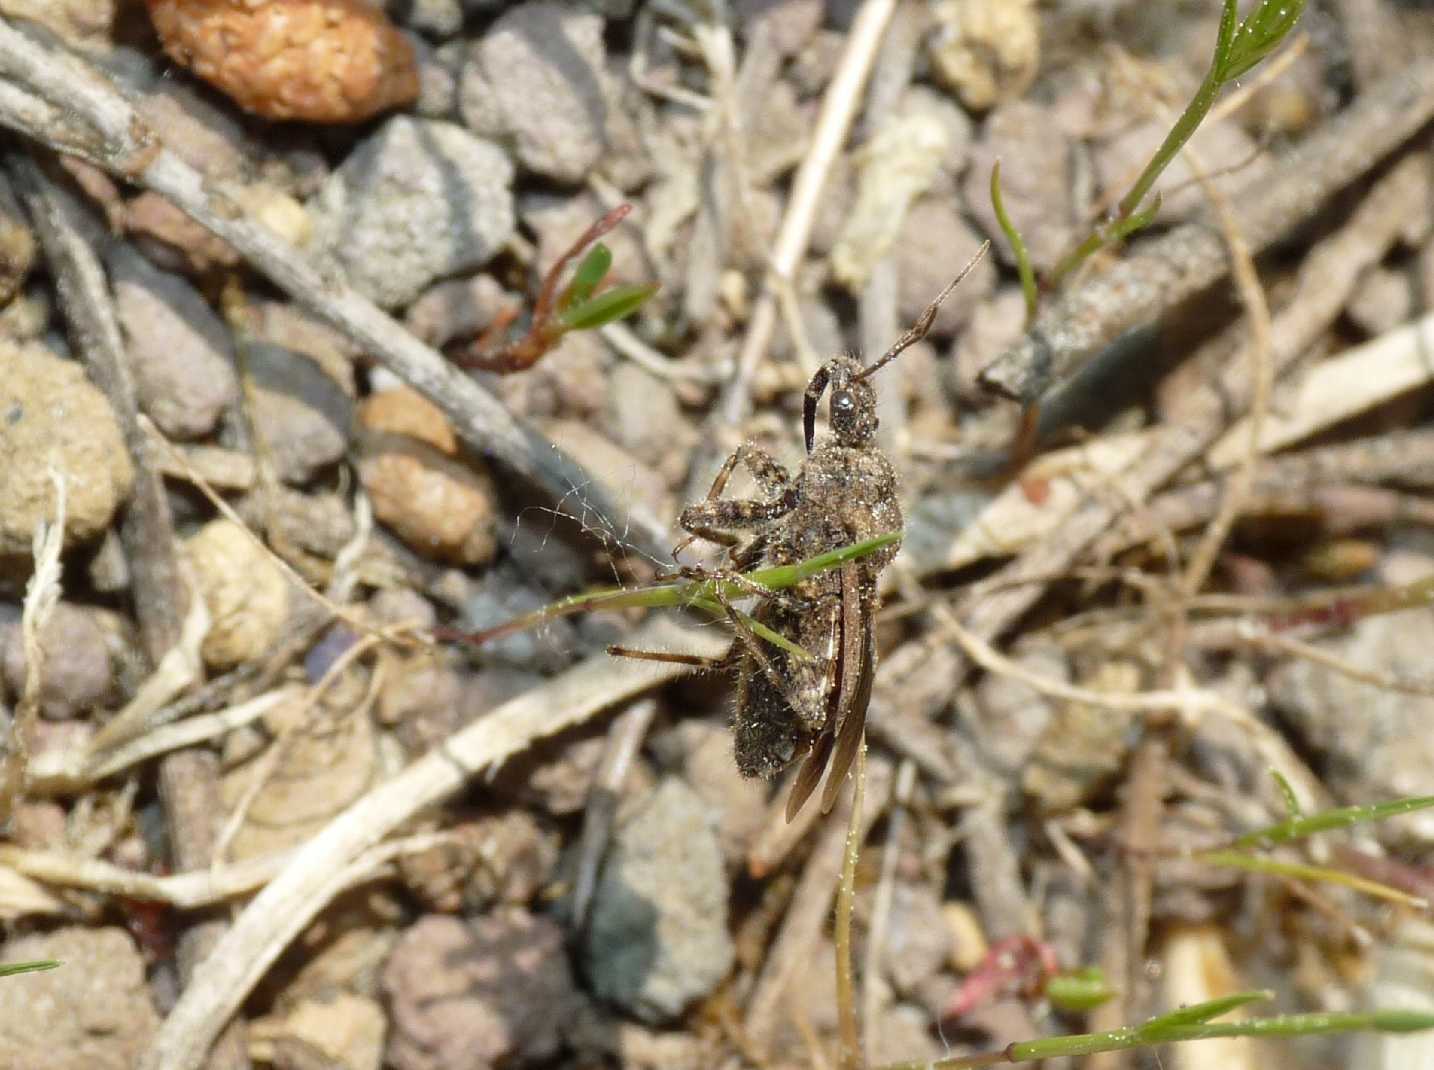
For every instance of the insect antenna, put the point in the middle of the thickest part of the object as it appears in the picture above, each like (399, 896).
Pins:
(915, 333)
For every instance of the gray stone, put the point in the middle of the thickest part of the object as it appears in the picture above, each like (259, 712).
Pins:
(180, 350)
(417, 200)
(538, 76)
(657, 938)
(301, 415)
(77, 674)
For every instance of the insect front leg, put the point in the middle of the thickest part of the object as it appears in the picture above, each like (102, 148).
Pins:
(710, 520)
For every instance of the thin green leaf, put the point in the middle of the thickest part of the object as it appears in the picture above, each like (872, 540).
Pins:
(1018, 245)
(1079, 990)
(1190, 119)
(780, 577)
(608, 306)
(1339, 818)
(686, 592)
(1204, 1012)
(590, 272)
(1259, 34)
(1287, 793)
(9, 968)
(1303, 871)
(1285, 1025)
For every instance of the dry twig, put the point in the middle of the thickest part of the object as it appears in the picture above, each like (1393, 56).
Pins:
(1161, 273)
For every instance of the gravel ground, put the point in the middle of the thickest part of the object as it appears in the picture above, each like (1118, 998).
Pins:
(257, 793)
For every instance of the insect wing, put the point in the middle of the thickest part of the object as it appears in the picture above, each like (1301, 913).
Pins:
(810, 774)
(858, 668)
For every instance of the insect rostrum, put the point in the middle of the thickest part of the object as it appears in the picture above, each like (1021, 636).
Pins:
(846, 491)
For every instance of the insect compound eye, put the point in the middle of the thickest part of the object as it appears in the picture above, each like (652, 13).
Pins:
(843, 404)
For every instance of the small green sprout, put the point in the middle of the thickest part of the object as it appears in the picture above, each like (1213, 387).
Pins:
(1239, 46)
(581, 305)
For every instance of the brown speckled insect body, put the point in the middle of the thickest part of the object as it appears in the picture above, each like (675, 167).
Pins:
(845, 492)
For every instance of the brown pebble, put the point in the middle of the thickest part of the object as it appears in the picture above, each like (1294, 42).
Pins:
(331, 61)
(442, 506)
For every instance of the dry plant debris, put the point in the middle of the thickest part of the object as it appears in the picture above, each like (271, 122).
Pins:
(266, 814)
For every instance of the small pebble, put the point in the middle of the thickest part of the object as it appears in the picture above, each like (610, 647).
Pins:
(76, 674)
(442, 505)
(247, 595)
(490, 993)
(935, 243)
(180, 351)
(300, 414)
(53, 419)
(538, 76)
(416, 200)
(93, 1013)
(657, 937)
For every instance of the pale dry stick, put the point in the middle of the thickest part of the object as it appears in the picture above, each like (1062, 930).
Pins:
(184, 891)
(1345, 385)
(191, 890)
(1127, 902)
(122, 143)
(849, 1055)
(839, 104)
(1167, 270)
(624, 739)
(282, 910)
(1325, 281)
(791, 952)
(1247, 633)
(187, 733)
(181, 667)
(1262, 376)
(65, 772)
(42, 593)
(68, 233)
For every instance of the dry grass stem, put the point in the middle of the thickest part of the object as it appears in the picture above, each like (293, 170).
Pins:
(839, 106)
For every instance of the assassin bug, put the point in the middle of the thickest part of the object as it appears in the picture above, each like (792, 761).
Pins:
(846, 491)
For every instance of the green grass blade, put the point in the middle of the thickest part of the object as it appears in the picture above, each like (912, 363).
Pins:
(1300, 827)
(9, 968)
(1018, 245)
(1274, 867)
(1287, 794)
(701, 594)
(1203, 1012)
(780, 577)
